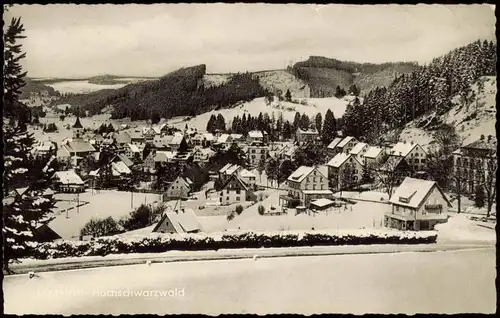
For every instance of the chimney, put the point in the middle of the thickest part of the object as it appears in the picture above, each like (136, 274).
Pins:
(482, 137)
(489, 138)
(411, 142)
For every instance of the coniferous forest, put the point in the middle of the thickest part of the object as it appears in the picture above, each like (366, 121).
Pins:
(428, 90)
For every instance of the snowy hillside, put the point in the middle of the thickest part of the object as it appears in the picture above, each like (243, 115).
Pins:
(470, 121)
(270, 80)
(258, 105)
(283, 80)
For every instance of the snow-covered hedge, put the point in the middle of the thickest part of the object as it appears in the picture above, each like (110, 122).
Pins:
(164, 242)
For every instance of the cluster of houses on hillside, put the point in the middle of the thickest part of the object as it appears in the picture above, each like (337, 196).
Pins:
(146, 149)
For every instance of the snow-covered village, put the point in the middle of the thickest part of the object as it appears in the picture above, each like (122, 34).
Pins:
(189, 161)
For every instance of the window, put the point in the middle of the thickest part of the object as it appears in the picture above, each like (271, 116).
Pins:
(262, 151)
(422, 160)
(237, 191)
(237, 198)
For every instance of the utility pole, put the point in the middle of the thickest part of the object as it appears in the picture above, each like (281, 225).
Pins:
(78, 202)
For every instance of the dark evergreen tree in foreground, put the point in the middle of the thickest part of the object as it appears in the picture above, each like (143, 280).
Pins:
(26, 201)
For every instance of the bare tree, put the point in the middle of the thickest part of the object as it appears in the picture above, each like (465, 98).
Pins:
(488, 182)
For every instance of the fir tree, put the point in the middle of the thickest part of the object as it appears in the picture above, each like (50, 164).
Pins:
(288, 96)
(318, 122)
(329, 130)
(26, 204)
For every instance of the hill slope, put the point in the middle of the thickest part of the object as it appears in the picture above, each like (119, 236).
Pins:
(324, 74)
(472, 120)
(179, 93)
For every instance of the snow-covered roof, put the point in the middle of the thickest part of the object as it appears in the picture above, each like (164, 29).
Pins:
(223, 169)
(163, 156)
(232, 169)
(236, 136)
(402, 149)
(121, 167)
(135, 134)
(345, 141)
(208, 137)
(412, 192)
(300, 174)
(255, 134)
(223, 138)
(68, 177)
(324, 192)
(79, 146)
(182, 221)
(358, 148)
(45, 146)
(322, 202)
(372, 152)
(244, 173)
(338, 160)
(307, 131)
(334, 143)
(134, 148)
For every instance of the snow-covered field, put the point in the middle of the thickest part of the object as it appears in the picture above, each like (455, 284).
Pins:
(77, 87)
(359, 215)
(101, 205)
(433, 282)
(258, 105)
(461, 228)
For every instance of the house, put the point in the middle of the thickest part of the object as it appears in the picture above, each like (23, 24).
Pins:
(176, 141)
(413, 153)
(346, 145)
(305, 136)
(228, 170)
(43, 233)
(148, 133)
(157, 158)
(124, 159)
(237, 137)
(396, 168)
(68, 181)
(202, 155)
(417, 205)
(255, 136)
(359, 150)
(44, 148)
(180, 188)
(344, 170)
(225, 139)
(331, 149)
(96, 140)
(203, 140)
(162, 142)
(180, 221)
(476, 162)
(372, 157)
(136, 136)
(304, 185)
(257, 153)
(121, 139)
(133, 152)
(234, 190)
(248, 177)
(76, 149)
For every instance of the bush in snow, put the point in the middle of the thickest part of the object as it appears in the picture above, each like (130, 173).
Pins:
(261, 210)
(157, 243)
(239, 209)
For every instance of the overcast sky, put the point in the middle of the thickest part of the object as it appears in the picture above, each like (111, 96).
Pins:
(152, 40)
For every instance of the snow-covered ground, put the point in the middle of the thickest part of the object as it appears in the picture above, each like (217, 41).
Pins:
(258, 105)
(433, 282)
(77, 87)
(461, 228)
(101, 205)
(359, 215)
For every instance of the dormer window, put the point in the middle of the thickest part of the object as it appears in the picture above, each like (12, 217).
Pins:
(404, 200)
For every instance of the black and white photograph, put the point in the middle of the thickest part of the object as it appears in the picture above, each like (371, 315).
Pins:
(249, 158)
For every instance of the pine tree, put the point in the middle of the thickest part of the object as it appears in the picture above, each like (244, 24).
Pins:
(318, 122)
(296, 121)
(220, 123)
(305, 122)
(329, 130)
(27, 209)
(288, 96)
(479, 197)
